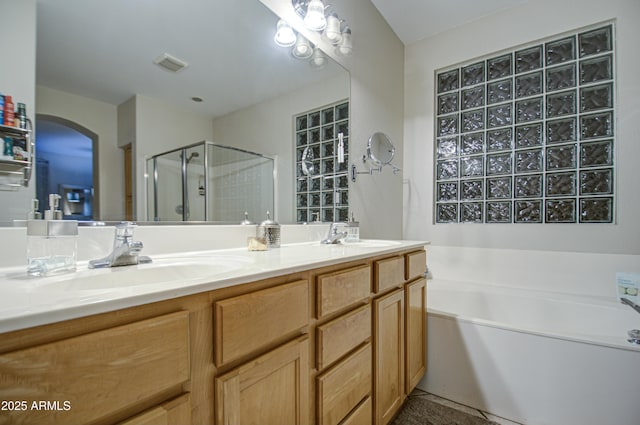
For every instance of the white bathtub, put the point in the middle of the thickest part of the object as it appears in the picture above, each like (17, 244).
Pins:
(538, 358)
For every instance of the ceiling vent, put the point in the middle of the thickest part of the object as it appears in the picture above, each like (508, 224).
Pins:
(170, 63)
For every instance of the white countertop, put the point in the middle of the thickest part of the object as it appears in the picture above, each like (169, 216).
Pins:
(31, 301)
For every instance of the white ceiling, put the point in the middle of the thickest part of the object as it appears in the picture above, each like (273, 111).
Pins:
(414, 20)
(105, 49)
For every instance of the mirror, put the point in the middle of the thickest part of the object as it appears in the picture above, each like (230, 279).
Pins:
(105, 51)
(380, 150)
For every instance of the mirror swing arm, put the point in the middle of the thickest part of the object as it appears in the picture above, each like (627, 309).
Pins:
(380, 152)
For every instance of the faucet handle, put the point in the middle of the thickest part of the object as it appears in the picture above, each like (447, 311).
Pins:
(124, 229)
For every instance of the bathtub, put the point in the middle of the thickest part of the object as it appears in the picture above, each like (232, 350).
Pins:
(538, 358)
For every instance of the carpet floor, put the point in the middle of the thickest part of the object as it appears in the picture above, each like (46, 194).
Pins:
(418, 410)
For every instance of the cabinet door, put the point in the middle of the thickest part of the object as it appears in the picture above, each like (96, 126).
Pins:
(416, 332)
(272, 389)
(176, 411)
(388, 323)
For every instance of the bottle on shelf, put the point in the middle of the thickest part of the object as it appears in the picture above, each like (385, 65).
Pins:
(9, 113)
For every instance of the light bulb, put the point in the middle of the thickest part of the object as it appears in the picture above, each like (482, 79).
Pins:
(345, 48)
(318, 59)
(332, 32)
(302, 48)
(285, 36)
(314, 19)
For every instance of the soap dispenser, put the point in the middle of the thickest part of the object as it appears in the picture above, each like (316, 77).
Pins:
(353, 230)
(52, 242)
(269, 230)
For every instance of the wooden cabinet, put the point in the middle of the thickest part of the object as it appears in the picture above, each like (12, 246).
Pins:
(342, 387)
(399, 331)
(389, 388)
(389, 273)
(341, 289)
(272, 389)
(99, 375)
(343, 346)
(245, 323)
(176, 411)
(340, 345)
(416, 332)
(339, 336)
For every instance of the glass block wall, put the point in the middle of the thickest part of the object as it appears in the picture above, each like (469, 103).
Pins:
(322, 184)
(528, 136)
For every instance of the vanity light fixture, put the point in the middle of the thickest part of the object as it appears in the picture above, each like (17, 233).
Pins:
(320, 18)
(285, 36)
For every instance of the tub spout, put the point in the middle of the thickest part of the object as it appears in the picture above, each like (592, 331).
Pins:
(631, 304)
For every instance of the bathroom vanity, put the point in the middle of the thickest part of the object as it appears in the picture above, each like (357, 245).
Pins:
(304, 334)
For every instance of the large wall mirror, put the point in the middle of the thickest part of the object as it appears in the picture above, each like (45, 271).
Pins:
(238, 89)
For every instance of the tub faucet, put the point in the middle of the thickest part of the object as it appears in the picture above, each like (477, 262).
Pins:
(630, 303)
(334, 237)
(125, 250)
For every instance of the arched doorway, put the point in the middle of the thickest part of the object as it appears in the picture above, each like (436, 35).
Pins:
(66, 164)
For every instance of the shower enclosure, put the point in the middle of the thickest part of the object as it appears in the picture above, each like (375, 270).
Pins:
(209, 182)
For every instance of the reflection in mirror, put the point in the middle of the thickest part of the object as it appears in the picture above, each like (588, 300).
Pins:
(380, 150)
(209, 182)
(95, 69)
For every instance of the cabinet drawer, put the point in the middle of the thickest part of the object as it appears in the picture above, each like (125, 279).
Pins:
(341, 335)
(176, 411)
(362, 415)
(342, 289)
(102, 373)
(416, 264)
(247, 322)
(389, 273)
(343, 387)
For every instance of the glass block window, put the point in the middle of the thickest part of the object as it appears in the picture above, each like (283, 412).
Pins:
(322, 183)
(528, 136)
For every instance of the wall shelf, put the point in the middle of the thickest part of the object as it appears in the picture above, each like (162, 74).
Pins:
(16, 173)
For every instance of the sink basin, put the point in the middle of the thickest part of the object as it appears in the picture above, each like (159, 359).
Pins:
(366, 243)
(374, 243)
(165, 270)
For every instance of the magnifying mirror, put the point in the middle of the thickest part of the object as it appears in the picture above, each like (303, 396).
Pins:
(307, 162)
(380, 150)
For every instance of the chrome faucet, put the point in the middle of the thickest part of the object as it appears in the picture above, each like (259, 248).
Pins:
(125, 250)
(334, 237)
(630, 303)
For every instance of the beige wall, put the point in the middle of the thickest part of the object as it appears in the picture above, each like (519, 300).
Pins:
(523, 24)
(17, 79)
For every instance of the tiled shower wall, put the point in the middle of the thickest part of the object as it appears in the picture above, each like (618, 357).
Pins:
(322, 185)
(528, 136)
